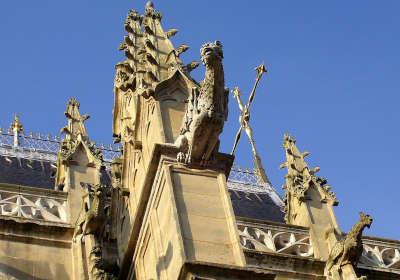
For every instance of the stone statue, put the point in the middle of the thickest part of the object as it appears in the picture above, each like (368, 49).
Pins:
(347, 250)
(206, 112)
(94, 218)
(75, 120)
(122, 96)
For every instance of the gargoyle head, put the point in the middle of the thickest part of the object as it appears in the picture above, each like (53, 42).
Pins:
(211, 52)
(288, 142)
(365, 219)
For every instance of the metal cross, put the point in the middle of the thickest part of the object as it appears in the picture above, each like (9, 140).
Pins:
(244, 120)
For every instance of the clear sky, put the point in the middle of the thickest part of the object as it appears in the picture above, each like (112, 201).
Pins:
(333, 81)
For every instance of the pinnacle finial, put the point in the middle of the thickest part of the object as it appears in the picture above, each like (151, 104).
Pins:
(76, 121)
(149, 4)
(16, 128)
(16, 124)
(150, 11)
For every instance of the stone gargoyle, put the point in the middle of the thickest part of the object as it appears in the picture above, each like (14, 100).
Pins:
(347, 250)
(93, 220)
(206, 112)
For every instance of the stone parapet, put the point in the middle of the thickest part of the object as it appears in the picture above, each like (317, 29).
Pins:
(33, 204)
(380, 254)
(274, 237)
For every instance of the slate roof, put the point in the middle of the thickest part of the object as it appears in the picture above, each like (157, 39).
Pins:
(34, 165)
(255, 205)
(27, 172)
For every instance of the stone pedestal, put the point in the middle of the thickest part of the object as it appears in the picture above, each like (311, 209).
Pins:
(187, 217)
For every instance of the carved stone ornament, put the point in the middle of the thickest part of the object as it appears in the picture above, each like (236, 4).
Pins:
(347, 250)
(151, 12)
(300, 178)
(277, 239)
(37, 207)
(67, 149)
(92, 219)
(75, 133)
(97, 266)
(116, 173)
(206, 111)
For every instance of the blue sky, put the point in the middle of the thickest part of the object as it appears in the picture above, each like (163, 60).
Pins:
(333, 81)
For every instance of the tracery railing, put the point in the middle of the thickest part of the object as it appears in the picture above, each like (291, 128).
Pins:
(245, 179)
(28, 204)
(44, 147)
(380, 254)
(275, 238)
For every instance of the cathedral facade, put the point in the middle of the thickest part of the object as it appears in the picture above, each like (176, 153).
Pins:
(163, 202)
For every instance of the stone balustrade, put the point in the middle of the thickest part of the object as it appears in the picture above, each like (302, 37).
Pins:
(379, 253)
(275, 238)
(33, 204)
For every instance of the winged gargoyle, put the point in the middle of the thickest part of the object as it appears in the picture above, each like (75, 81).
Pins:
(206, 111)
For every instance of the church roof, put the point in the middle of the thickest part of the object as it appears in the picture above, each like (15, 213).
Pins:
(27, 172)
(32, 163)
(252, 198)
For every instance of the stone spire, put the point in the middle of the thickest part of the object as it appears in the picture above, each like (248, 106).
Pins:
(300, 179)
(151, 57)
(16, 128)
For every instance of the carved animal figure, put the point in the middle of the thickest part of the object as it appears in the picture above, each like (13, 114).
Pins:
(94, 218)
(348, 250)
(206, 112)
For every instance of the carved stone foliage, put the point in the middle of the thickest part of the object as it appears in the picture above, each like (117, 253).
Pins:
(67, 149)
(206, 111)
(69, 146)
(380, 254)
(348, 250)
(97, 266)
(300, 178)
(271, 238)
(150, 54)
(35, 207)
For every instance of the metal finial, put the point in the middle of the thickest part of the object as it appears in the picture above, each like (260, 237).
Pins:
(244, 121)
(16, 128)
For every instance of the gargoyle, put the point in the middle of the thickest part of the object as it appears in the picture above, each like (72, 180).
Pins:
(94, 218)
(347, 250)
(206, 112)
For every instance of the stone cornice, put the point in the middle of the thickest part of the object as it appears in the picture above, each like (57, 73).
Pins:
(32, 231)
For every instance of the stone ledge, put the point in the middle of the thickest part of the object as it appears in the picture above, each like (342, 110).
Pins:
(206, 271)
(34, 232)
(33, 191)
(286, 265)
(378, 273)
